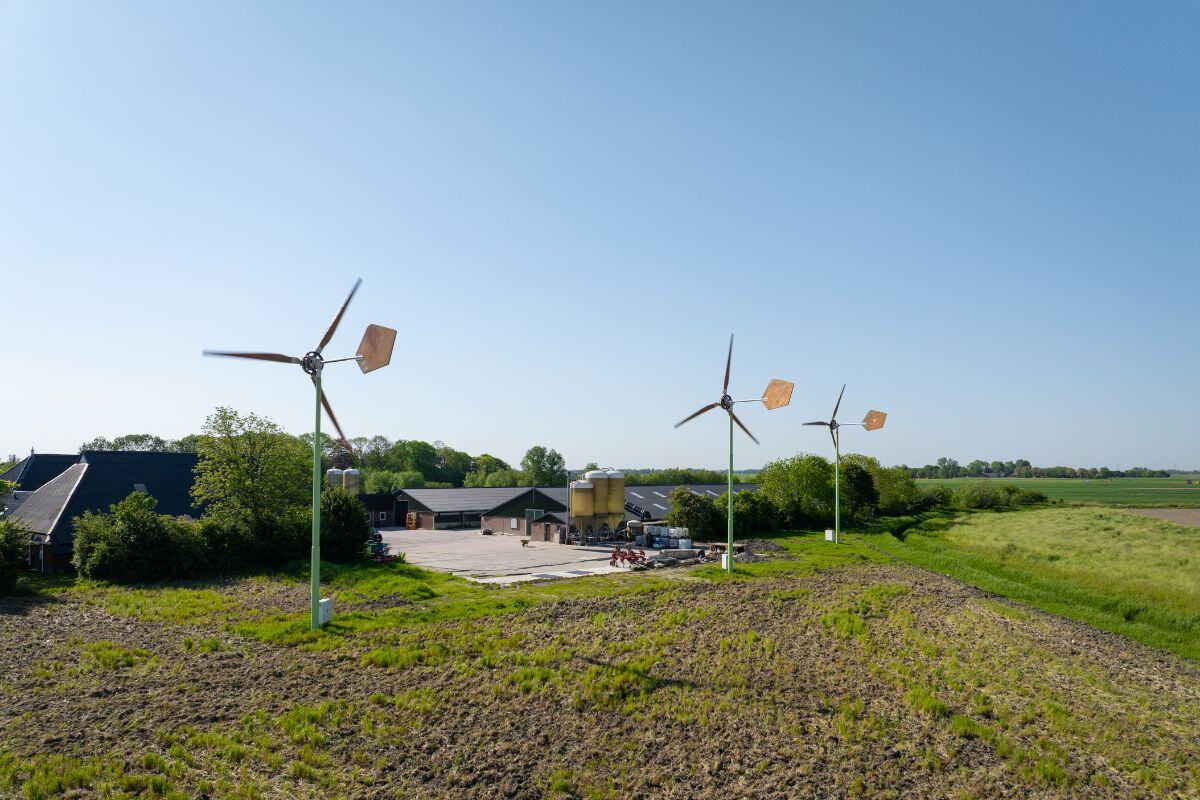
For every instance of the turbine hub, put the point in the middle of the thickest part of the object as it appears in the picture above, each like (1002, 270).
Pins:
(726, 402)
(312, 363)
(833, 424)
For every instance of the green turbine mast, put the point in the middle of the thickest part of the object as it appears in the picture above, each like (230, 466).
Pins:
(374, 352)
(872, 421)
(777, 395)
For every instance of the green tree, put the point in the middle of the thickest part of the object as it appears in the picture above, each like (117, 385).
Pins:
(344, 527)
(697, 514)
(385, 480)
(753, 513)
(6, 488)
(504, 478)
(14, 547)
(801, 487)
(858, 494)
(485, 465)
(544, 467)
(250, 468)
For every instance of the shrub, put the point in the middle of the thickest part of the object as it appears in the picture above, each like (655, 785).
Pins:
(132, 543)
(981, 494)
(753, 512)
(14, 544)
(697, 514)
(935, 498)
(344, 526)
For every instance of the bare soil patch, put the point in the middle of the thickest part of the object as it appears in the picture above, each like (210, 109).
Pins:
(1182, 516)
(880, 681)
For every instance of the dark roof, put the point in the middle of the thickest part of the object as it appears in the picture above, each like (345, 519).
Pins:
(456, 500)
(37, 469)
(652, 499)
(378, 501)
(42, 510)
(112, 476)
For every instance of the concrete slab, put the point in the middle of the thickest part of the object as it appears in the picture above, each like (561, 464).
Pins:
(497, 558)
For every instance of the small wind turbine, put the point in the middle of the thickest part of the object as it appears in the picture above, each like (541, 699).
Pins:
(777, 395)
(374, 352)
(872, 421)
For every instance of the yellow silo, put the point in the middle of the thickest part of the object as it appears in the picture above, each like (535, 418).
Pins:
(581, 499)
(599, 480)
(616, 495)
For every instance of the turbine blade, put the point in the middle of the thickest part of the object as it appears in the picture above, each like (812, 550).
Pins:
(260, 356)
(833, 436)
(826, 424)
(708, 407)
(839, 402)
(329, 410)
(333, 325)
(743, 427)
(728, 364)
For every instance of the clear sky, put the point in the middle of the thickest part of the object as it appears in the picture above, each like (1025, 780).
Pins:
(985, 217)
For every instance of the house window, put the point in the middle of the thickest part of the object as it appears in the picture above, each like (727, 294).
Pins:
(512, 523)
(383, 516)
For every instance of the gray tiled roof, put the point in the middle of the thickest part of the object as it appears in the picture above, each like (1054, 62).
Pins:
(456, 500)
(42, 510)
(37, 469)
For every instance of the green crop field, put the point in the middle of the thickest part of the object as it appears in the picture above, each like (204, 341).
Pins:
(1116, 570)
(1180, 490)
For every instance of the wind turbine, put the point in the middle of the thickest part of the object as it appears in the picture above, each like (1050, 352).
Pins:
(872, 421)
(374, 352)
(777, 395)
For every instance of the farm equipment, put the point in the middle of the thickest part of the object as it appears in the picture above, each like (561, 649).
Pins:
(626, 556)
(381, 553)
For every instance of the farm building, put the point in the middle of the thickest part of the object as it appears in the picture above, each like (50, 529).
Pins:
(507, 510)
(98, 480)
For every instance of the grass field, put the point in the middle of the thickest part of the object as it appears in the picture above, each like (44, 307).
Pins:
(1129, 574)
(1134, 492)
(832, 672)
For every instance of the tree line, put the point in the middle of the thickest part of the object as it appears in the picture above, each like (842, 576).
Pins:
(797, 493)
(1021, 468)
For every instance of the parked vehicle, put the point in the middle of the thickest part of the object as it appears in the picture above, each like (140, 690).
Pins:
(382, 553)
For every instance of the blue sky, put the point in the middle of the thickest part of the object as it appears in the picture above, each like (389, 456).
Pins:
(983, 217)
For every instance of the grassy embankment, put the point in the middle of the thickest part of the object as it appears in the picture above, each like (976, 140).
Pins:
(1132, 575)
(1133, 492)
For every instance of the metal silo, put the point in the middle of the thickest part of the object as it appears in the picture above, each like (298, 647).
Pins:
(599, 480)
(616, 495)
(351, 480)
(334, 476)
(581, 499)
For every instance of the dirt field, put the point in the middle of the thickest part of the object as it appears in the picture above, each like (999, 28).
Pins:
(879, 680)
(1183, 516)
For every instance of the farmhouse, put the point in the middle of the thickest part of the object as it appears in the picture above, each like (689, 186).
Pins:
(96, 481)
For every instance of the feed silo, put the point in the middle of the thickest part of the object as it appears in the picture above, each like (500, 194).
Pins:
(350, 480)
(616, 496)
(334, 476)
(581, 499)
(598, 478)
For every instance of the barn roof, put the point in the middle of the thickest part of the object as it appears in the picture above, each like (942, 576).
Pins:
(42, 510)
(37, 469)
(456, 500)
(103, 478)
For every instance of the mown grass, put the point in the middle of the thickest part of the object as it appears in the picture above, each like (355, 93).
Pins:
(1120, 572)
(1134, 492)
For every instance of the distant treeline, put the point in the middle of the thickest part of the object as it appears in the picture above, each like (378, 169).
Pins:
(949, 468)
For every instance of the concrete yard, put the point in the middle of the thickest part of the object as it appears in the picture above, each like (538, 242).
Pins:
(497, 558)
